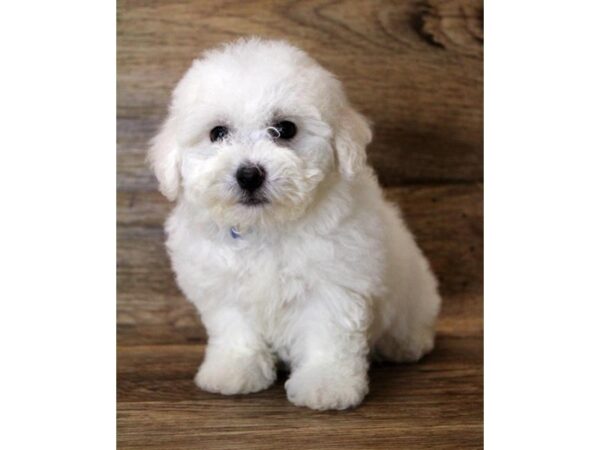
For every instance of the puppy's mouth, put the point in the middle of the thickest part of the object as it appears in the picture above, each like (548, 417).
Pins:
(253, 200)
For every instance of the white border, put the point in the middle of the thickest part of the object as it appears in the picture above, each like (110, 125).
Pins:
(541, 224)
(58, 227)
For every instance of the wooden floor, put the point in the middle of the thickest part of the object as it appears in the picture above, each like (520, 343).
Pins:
(415, 69)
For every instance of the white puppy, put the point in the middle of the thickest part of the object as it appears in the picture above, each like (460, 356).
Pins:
(281, 236)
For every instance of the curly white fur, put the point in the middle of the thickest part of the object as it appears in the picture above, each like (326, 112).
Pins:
(324, 274)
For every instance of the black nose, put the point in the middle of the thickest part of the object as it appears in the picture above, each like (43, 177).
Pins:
(250, 177)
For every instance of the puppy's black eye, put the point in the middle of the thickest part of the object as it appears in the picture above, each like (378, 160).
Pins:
(218, 133)
(283, 130)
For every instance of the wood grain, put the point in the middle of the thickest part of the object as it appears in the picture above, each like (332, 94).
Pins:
(434, 404)
(414, 68)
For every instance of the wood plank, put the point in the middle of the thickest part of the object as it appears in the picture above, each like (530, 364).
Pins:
(145, 371)
(414, 67)
(436, 403)
(447, 221)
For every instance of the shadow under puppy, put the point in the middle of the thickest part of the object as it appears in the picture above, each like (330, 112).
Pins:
(280, 235)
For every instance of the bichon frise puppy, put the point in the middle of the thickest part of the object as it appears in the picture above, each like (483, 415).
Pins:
(281, 235)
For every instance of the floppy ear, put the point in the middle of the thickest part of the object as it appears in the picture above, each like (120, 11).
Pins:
(351, 140)
(163, 157)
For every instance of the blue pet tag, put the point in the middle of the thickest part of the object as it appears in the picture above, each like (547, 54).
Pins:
(235, 234)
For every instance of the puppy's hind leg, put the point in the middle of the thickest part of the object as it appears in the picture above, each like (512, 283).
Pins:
(409, 332)
(405, 345)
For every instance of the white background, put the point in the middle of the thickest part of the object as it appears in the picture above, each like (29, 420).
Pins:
(57, 241)
(542, 221)
(57, 248)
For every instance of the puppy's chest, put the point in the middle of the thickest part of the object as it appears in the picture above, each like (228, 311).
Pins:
(268, 276)
(275, 280)
(273, 273)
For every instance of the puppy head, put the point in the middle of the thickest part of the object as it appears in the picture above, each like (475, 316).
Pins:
(254, 127)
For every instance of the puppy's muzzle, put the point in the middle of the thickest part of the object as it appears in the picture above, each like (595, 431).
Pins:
(250, 177)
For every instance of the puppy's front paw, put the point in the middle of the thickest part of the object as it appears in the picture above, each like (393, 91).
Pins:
(230, 375)
(324, 387)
